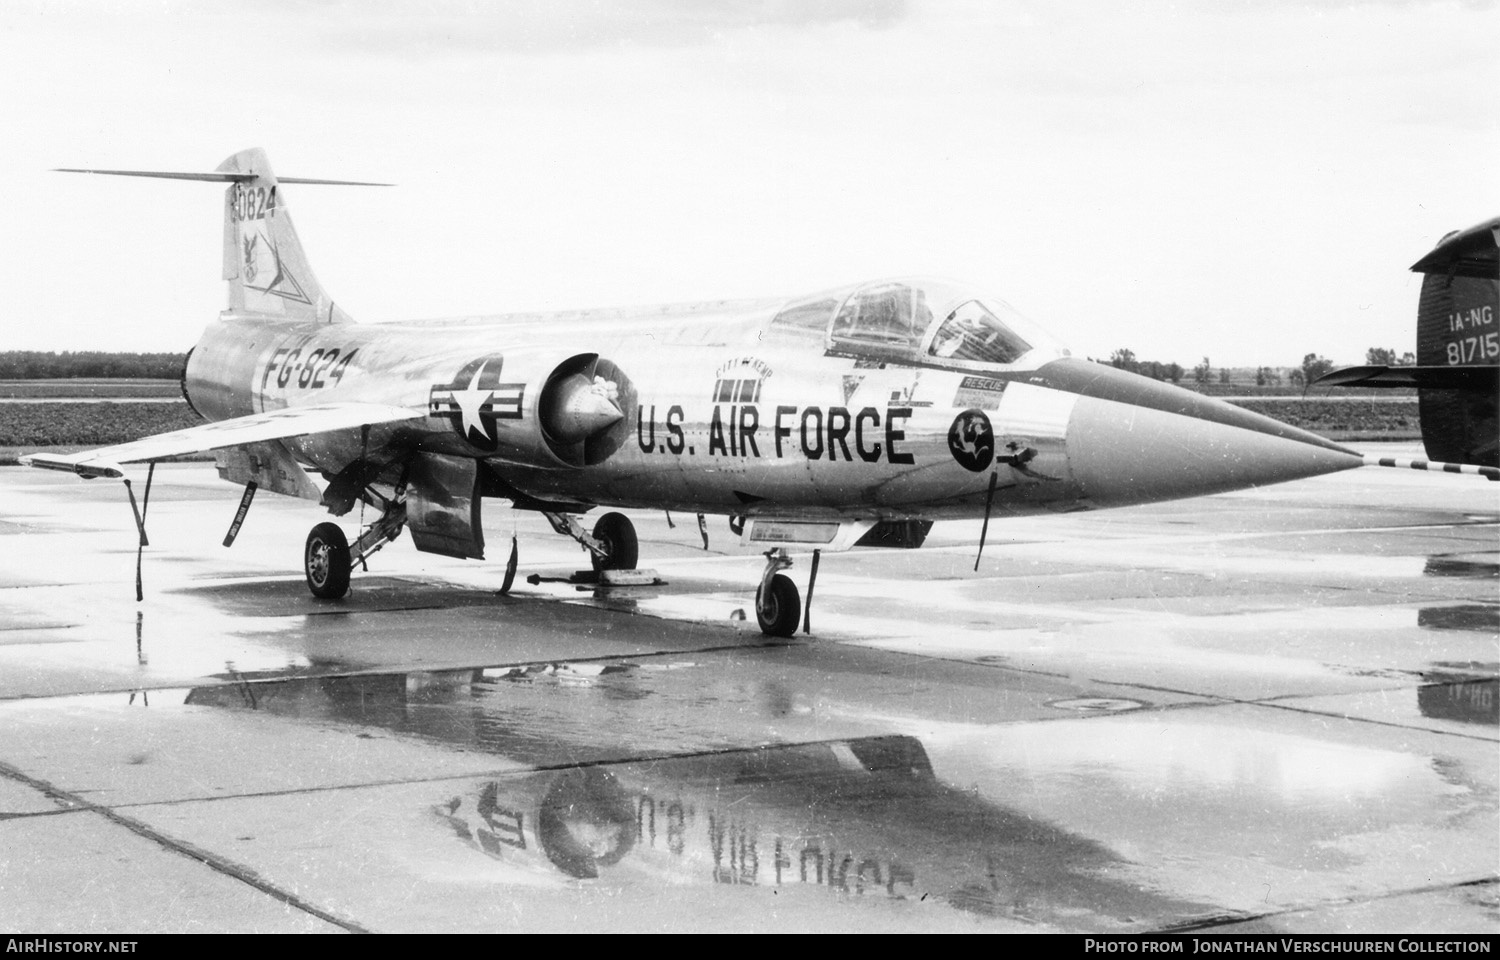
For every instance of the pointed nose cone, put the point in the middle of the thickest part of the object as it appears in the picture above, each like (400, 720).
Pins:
(583, 409)
(1121, 454)
(1133, 440)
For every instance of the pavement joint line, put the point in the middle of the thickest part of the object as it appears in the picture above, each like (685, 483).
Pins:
(211, 860)
(767, 643)
(486, 774)
(378, 610)
(1290, 708)
(1202, 699)
(938, 658)
(40, 813)
(1234, 919)
(1271, 702)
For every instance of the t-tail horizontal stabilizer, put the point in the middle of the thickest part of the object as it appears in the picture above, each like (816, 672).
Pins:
(267, 270)
(218, 176)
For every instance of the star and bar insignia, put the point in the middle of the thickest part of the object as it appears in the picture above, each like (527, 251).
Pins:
(476, 399)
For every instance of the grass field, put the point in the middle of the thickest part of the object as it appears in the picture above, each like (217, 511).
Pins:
(41, 389)
(62, 422)
(1344, 419)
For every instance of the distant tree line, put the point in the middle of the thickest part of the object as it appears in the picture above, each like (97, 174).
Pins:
(1312, 367)
(1125, 360)
(40, 365)
(1382, 357)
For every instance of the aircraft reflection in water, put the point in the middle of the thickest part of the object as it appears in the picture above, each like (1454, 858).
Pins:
(862, 818)
(1457, 694)
(1465, 692)
(813, 422)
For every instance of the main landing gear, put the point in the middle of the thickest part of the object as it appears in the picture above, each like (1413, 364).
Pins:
(325, 560)
(612, 545)
(328, 558)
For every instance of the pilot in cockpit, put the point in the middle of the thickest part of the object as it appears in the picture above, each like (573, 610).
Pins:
(973, 333)
(949, 338)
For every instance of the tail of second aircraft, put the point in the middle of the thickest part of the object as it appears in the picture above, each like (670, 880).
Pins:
(1457, 373)
(267, 271)
(1457, 322)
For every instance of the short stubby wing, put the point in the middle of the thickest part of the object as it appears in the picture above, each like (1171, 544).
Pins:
(275, 425)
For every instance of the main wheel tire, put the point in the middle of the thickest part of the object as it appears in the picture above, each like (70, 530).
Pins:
(325, 560)
(780, 610)
(617, 534)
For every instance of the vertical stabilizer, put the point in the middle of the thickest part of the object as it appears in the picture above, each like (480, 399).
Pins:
(264, 264)
(1458, 328)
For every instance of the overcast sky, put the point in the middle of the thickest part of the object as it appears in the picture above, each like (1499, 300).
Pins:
(1243, 180)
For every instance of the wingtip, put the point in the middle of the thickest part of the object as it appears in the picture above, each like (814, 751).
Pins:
(88, 471)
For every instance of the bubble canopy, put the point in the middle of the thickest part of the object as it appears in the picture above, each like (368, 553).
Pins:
(920, 320)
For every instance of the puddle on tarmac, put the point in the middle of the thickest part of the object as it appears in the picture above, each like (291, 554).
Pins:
(861, 819)
(855, 820)
(1468, 616)
(1465, 692)
(1472, 566)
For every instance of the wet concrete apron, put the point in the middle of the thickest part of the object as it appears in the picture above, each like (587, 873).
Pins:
(1273, 710)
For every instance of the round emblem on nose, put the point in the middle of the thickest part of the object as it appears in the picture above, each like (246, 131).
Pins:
(971, 440)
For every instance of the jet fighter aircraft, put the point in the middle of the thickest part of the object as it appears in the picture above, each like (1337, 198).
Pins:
(811, 421)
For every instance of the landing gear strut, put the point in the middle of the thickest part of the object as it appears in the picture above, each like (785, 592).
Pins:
(778, 607)
(612, 545)
(329, 557)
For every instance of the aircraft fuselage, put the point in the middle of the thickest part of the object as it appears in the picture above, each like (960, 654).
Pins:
(729, 415)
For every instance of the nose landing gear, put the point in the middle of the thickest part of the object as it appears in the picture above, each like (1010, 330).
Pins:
(778, 607)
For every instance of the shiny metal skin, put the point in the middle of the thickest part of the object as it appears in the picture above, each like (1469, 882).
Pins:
(894, 400)
(821, 438)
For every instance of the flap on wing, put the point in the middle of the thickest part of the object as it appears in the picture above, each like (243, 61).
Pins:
(275, 425)
(270, 466)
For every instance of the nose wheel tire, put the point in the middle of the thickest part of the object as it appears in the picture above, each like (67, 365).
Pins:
(617, 534)
(325, 560)
(779, 608)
